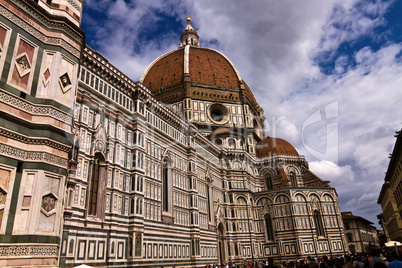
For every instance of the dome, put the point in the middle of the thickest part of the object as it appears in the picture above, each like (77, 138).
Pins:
(196, 72)
(165, 72)
(274, 146)
(222, 131)
(204, 66)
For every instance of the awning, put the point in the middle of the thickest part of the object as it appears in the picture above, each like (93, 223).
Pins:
(393, 244)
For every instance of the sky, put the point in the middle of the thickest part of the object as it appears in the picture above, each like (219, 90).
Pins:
(328, 74)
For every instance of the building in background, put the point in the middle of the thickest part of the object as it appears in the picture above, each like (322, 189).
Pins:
(360, 233)
(175, 169)
(390, 197)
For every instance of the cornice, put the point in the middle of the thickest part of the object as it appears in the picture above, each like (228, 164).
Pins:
(50, 21)
(38, 34)
(32, 156)
(33, 140)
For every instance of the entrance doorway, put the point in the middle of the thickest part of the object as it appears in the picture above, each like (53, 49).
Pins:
(221, 244)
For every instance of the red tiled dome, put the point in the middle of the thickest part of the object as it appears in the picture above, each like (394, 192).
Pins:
(274, 146)
(210, 67)
(205, 67)
(192, 70)
(166, 71)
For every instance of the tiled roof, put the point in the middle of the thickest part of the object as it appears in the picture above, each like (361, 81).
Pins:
(347, 215)
(209, 67)
(206, 67)
(274, 146)
(310, 177)
(166, 72)
(250, 95)
(221, 131)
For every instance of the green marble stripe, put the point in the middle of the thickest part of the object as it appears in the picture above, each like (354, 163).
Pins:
(16, 29)
(9, 54)
(6, 69)
(27, 130)
(16, 239)
(54, 22)
(33, 165)
(8, 237)
(14, 197)
(36, 74)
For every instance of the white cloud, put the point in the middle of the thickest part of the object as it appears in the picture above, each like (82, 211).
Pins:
(329, 171)
(350, 21)
(276, 45)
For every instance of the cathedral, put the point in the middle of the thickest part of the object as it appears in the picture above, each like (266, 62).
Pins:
(171, 170)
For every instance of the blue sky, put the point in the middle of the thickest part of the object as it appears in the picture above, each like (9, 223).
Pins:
(327, 73)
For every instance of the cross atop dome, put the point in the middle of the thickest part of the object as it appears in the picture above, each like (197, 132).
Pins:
(189, 36)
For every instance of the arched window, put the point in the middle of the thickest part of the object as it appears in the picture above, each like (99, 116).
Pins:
(268, 227)
(241, 201)
(209, 202)
(349, 237)
(98, 171)
(165, 184)
(268, 183)
(318, 223)
(231, 143)
(71, 247)
(293, 180)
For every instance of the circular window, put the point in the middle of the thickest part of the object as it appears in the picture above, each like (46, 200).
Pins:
(218, 113)
(218, 142)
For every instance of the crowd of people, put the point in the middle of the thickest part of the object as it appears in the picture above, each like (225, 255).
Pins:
(377, 258)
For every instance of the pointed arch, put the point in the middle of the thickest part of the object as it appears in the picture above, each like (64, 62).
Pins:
(318, 223)
(209, 194)
(96, 182)
(269, 185)
(269, 230)
(242, 201)
(264, 201)
(268, 174)
(221, 242)
(281, 198)
(166, 193)
(293, 179)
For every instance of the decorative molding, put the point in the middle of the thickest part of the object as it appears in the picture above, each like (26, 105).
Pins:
(74, 4)
(35, 109)
(34, 32)
(32, 156)
(39, 18)
(34, 141)
(48, 207)
(28, 251)
(23, 64)
(65, 82)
